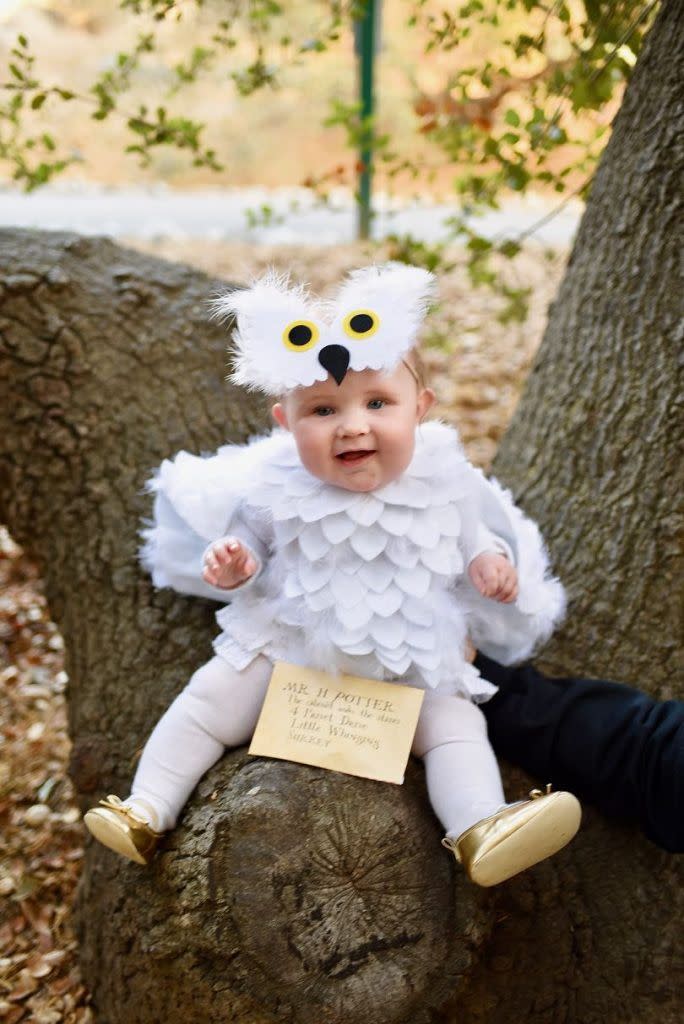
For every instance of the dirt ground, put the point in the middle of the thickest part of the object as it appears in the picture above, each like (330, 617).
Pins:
(477, 367)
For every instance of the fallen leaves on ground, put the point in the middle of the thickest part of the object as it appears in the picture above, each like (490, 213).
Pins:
(41, 844)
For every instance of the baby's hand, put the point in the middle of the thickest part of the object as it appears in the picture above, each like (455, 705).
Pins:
(494, 576)
(228, 563)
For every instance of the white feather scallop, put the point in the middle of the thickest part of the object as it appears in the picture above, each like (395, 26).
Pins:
(397, 662)
(448, 520)
(389, 632)
(347, 590)
(287, 530)
(415, 582)
(355, 616)
(417, 611)
(406, 491)
(320, 600)
(421, 638)
(429, 660)
(348, 561)
(338, 527)
(366, 510)
(292, 587)
(378, 574)
(328, 502)
(396, 520)
(284, 509)
(314, 575)
(343, 636)
(402, 552)
(294, 483)
(424, 531)
(445, 559)
(365, 647)
(312, 542)
(388, 602)
(369, 541)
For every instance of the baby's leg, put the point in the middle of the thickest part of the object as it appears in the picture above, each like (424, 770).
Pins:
(493, 841)
(461, 771)
(218, 708)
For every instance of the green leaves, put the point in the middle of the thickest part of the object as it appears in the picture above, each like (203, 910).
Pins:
(201, 59)
(162, 130)
(30, 155)
(117, 80)
(524, 110)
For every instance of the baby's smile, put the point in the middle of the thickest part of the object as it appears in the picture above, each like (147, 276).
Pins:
(354, 456)
(359, 434)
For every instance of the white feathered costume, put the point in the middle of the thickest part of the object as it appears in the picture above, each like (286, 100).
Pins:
(373, 584)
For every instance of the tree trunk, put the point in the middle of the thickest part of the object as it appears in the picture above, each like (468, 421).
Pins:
(595, 449)
(292, 894)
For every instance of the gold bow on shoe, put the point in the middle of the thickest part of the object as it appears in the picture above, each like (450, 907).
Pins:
(516, 837)
(120, 829)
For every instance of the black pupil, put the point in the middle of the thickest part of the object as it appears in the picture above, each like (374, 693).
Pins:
(300, 335)
(360, 323)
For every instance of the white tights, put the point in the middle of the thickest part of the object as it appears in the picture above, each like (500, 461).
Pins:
(220, 706)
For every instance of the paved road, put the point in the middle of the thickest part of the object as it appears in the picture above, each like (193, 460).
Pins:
(222, 215)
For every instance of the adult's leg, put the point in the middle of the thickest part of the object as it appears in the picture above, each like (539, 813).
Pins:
(218, 708)
(610, 744)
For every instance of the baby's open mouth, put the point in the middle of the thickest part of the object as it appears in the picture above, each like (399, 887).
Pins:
(356, 456)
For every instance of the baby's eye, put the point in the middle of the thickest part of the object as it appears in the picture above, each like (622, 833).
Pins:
(377, 403)
(323, 410)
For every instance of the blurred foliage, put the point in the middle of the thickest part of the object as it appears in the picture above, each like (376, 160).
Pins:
(529, 114)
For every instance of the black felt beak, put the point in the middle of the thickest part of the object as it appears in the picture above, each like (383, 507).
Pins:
(334, 359)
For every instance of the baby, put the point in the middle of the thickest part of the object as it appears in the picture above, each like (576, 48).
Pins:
(353, 539)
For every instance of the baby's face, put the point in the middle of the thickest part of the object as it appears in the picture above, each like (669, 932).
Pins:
(360, 434)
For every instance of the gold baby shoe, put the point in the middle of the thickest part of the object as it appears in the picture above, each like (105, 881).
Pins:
(516, 837)
(118, 828)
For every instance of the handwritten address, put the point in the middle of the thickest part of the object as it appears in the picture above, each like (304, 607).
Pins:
(359, 726)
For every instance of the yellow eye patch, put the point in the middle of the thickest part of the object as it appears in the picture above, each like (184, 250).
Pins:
(300, 335)
(362, 323)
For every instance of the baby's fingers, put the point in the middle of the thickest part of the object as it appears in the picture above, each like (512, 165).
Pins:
(226, 550)
(210, 575)
(244, 564)
(508, 591)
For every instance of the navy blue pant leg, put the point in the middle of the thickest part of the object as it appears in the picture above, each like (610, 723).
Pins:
(610, 744)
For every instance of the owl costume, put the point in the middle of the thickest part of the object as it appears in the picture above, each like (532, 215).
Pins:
(372, 584)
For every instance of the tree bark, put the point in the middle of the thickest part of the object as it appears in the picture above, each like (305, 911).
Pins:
(595, 449)
(293, 894)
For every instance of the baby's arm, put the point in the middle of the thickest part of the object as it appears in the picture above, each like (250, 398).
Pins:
(490, 566)
(494, 576)
(228, 563)
(236, 558)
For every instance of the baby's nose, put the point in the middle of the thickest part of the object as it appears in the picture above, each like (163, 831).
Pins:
(354, 423)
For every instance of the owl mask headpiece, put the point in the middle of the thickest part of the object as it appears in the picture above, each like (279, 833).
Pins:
(285, 339)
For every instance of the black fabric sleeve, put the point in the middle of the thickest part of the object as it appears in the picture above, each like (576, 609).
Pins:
(610, 744)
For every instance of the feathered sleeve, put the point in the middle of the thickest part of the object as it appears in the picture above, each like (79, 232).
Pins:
(511, 633)
(198, 500)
